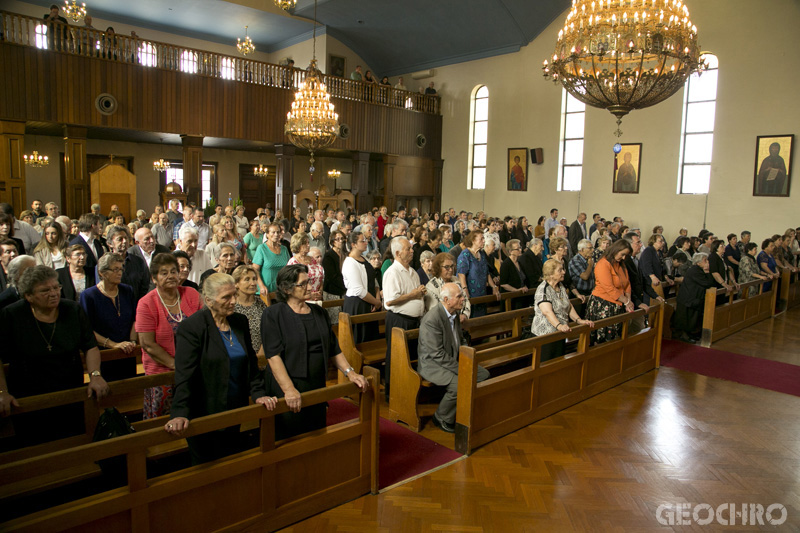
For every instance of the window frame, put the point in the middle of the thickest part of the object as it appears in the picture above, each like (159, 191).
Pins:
(473, 121)
(207, 166)
(562, 152)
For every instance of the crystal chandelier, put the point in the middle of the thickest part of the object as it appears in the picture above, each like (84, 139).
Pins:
(312, 123)
(260, 171)
(35, 160)
(160, 165)
(622, 55)
(73, 11)
(334, 174)
(245, 47)
(286, 5)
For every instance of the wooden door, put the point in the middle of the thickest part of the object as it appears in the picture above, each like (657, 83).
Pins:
(255, 192)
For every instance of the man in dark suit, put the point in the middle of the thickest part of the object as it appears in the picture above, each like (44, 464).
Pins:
(577, 232)
(530, 262)
(439, 340)
(135, 273)
(89, 230)
(639, 287)
(145, 248)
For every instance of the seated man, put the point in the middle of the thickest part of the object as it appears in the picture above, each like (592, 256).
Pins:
(439, 340)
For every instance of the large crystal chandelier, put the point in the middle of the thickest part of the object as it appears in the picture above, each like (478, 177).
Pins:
(245, 47)
(334, 174)
(623, 55)
(73, 11)
(312, 123)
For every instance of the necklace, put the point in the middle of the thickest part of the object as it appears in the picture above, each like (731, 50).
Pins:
(47, 341)
(114, 299)
(228, 337)
(178, 317)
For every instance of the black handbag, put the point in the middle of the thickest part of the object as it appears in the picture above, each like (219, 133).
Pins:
(113, 424)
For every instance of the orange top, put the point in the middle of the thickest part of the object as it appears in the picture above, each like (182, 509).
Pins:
(611, 281)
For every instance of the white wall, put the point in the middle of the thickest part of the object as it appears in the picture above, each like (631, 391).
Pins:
(756, 96)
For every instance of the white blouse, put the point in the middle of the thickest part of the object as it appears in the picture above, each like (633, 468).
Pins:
(355, 277)
(59, 261)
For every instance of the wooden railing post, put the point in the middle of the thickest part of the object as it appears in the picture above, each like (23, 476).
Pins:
(783, 297)
(709, 308)
(467, 382)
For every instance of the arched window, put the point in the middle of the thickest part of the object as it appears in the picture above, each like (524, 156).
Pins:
(697, 129)
(570, 167)
(479, 133)
(41, 36)
(227, 68)
(147, 55)
(189, 62)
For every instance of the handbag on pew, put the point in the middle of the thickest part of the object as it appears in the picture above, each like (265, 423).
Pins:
(113, 424)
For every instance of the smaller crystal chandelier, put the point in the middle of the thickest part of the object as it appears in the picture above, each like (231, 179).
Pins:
(35, 160)
(73, 11)
(334, 174)
(260, 171)
(286, 5)
(161, 165)
(245, 47)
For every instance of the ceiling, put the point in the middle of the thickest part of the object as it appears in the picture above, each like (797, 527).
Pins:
(393, 37)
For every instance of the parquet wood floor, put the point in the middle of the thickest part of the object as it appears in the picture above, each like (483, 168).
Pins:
(777, 339)
(668, 437)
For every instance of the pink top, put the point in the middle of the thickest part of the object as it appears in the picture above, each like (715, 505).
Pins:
(151, 316)
(316, 275)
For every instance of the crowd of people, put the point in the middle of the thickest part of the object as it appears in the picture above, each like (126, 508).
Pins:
(190, 290)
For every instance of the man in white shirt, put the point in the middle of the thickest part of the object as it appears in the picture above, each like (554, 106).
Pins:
(146, 246)
(22, 230)
(203, 231)
(400, 85)
(188, 243)
(162, 231)
(403, 296)
(339, 219)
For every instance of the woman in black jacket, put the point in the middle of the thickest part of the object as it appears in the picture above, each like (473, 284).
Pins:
(216, 369)
(333, 283)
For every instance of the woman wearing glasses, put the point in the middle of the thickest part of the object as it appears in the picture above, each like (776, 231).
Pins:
(111, 308)
(444, 271)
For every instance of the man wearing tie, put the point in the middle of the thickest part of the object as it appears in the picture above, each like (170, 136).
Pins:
(439, 341)
(89, 231)
(577, 232)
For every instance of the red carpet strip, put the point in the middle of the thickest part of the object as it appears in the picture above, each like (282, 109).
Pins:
(403, 454)
(762, 373)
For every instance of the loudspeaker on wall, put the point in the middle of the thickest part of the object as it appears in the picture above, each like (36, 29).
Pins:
(536, 156)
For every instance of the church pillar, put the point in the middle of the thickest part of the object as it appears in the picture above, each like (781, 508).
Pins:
(360, 184)
(192, 167)
(438, 165)
(389, 169)
(75, 188)
(12, 165)
(284, 179)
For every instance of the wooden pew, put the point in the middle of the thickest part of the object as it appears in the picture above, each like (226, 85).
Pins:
(789, 295)
(364, 353)
(262, 489)
(506, 403)
(408, 387)
(735, 315)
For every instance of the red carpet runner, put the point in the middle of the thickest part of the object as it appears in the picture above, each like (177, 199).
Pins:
(403, 453)
(770, 375)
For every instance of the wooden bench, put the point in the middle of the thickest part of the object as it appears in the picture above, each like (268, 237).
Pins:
(789, 294)
(266, 488)
(719, 321)
(363, 353)
(503, 404)
(407, 402)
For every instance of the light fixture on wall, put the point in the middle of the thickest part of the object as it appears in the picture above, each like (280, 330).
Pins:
(312, 123)
(260, 171)
(245, 47)
(73, 11)
(161, 165)
(622, 55)
(286, 5)
(334, 174)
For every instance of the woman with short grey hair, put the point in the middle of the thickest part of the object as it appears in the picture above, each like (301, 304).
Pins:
(227, 257)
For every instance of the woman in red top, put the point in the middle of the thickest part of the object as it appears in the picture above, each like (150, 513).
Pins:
(612, 292)
(381, 220)
(157, 318)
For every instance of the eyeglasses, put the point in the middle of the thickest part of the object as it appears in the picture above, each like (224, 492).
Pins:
(448, 267)
(302, 284)
(117, 270)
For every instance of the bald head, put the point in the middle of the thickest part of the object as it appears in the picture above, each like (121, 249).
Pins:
(452, 297)
(144, 238)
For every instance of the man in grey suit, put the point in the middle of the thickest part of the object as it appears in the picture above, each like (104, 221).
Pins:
(439, 340)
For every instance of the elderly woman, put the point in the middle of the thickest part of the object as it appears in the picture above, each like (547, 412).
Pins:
(473, 270)
(158, 316)
(691, 298)
(241, 221)
(184, 269)
(300, 247)
(369, 235)
(51, 250)
(459, 231)
(333, 283)
(7, 231)
(612, 292)
(27, 216)
(559, 250)
(227, 260)
(111, 308)
(374, 258)
(252, 240)
(553, 310)
(298, 341)
(248, 303)
(216, 369)
(732, 254)
(512, 277)
(270, 258)
(425, 270)
(43, 337)
(443, 271)
(76, 277)
(748, 269)
(766, 262)
(362, 296)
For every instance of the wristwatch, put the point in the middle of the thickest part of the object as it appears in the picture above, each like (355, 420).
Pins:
(94, 374)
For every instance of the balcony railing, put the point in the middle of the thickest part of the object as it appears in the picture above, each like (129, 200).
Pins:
(88, 42)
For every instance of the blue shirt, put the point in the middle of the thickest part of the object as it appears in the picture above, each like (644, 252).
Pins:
(475, 270)
(237, 381)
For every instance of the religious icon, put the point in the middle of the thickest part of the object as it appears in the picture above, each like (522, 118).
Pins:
(517, 169)
(627, 165)
(773, 165)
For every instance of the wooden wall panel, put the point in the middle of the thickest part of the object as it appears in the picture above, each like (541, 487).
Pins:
(61, 88)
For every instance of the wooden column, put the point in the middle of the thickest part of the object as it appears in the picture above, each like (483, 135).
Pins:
(75, 187)
(284, 179)
(438, 165)
(389, 168)
(12, 166)
(360, 185)
(192, 167)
